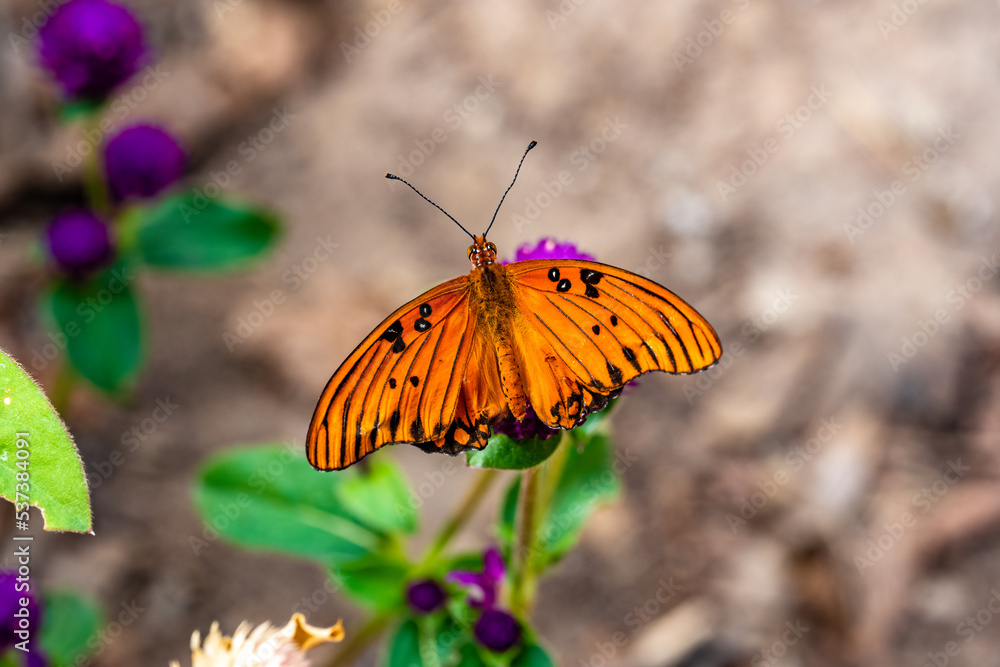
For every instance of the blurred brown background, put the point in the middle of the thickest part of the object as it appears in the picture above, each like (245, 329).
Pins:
(817, 178)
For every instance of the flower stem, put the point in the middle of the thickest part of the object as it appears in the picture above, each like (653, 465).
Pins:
(62, 387)
(93, 182)
(356, 642)
(522, 590)
(466, 508)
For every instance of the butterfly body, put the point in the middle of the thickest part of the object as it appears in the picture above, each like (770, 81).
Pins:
(561, 335)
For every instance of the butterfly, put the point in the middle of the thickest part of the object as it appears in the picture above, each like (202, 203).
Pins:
(561, 335)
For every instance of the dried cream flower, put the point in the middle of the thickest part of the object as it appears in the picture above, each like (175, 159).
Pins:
(264, 646)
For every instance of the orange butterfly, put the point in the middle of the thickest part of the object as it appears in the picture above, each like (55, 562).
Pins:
(561, 335)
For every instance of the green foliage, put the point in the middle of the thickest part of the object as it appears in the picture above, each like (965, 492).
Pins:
(377, 581)
(98, 321)
(380, 495)
(190, 231)
(504, 453)
(70, 620)
(50, 470)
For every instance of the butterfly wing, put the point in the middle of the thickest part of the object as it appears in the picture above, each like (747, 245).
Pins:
(586, 329)
(401, 384)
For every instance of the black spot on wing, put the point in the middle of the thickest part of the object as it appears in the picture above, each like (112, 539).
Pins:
(592, 292)
(615, 374)
(564, 285)
(398, 345)
(554, 274)
(393, 332)
(392, 383)
(651, 353)
(394, 424)
(414, 380)
(614, 321)
(596, 329)
(590, 277)
(630, 356)
(417, 430)
(425, 310)
(421, 324)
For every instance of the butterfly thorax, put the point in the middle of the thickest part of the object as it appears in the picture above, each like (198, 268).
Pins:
(493, 296)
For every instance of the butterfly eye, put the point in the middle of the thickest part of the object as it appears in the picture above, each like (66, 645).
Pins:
(493, 248)
(471, 248)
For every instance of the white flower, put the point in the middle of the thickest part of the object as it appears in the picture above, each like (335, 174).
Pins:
(263, 646)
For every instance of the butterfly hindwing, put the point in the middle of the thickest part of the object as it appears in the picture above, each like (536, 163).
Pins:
(401, 384)
(590, 328)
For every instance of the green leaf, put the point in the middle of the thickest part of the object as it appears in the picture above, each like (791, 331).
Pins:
(381, 497)
(70, 620)
(268, 497)
(55, 479)
(97, 321)
(404, 646)
(190, 231)
(533, 655)
(587, 481)
(71, 110)
(504, 453)
(376, 581)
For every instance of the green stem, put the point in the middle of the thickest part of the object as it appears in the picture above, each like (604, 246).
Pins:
(62, 388)
(359, 640)
(428, 643)
(93, 181)
(466, 508)
(522, 589)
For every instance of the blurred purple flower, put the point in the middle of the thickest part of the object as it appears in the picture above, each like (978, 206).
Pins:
(90, 47)
(12, 612)
(141, 161)
(425, 596)
(497, 630)
(483, 586)
(79, 241)
(549, 248)
(529, 427)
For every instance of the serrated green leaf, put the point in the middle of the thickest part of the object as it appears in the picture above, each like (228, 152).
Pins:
(70, 620)
(97, 321)
(190, 231)
(503, 453)
(381, 497)
(376, 581)
(268, 497)
(54, 473)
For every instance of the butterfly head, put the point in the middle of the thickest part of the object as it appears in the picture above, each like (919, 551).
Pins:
(482, 252)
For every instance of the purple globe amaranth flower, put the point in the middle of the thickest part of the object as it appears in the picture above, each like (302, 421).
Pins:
(529, 427)
(497, 630)
(549, 248)
(425, 596)
(142, 160)
(484, 585)
(20, 618)
(90, 47)
(79, 241)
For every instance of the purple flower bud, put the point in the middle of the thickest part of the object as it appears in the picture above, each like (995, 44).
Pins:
(425, 596)
(141, 161)
(90, 47)
(549, 248)
(79, 241)
(497, 630)
(11, 613)
(529, 427)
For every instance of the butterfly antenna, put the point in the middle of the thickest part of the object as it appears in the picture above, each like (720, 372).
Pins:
(530, 146)
(394, 177)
